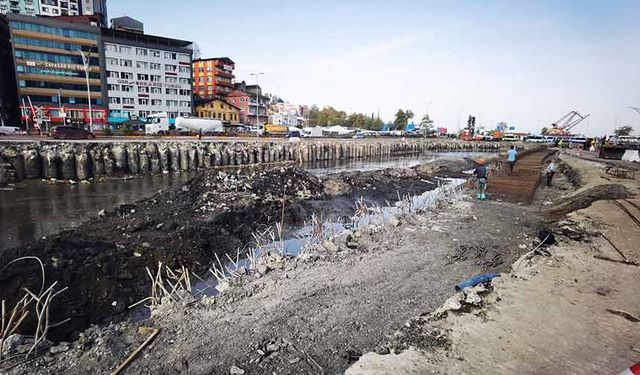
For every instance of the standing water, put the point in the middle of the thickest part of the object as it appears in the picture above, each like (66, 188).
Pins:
(34, 209)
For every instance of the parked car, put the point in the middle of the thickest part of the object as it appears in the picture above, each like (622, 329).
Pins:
(11, 130)
(70, 132)
(293, 134)
(510, 138)
(578, 140)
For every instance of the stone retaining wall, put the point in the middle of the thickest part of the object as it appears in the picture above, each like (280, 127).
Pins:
(81, 161)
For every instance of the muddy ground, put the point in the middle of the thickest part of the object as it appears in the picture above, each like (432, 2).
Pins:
(320, 312)
(103, 261)
(573, 311)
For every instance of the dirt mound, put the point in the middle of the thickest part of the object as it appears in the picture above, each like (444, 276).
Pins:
(103, 261)
(586, 198)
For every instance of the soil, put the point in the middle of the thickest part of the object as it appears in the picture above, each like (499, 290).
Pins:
(574, 311)
(103, 260)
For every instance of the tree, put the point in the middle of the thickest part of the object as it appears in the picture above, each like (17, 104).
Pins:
(544, 130)
(402, 118)
(624, 131)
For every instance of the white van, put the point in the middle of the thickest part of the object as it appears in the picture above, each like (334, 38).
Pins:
(510, 138)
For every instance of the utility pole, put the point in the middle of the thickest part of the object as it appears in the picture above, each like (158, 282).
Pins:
(85, 62)
(257, 99)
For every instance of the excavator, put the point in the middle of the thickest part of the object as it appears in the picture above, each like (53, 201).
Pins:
(563, 126)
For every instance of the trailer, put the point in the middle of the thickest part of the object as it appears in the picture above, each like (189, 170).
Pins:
(203, 126)
(312, 132)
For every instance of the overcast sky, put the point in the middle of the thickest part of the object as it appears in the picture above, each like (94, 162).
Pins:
(524, 62)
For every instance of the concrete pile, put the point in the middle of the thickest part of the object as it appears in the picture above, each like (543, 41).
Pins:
(81, 161)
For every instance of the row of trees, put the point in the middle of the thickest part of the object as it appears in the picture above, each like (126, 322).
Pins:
(329, 116)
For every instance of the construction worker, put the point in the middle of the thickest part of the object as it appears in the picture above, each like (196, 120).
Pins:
(481, 174)
(550, 171)
(512, 154)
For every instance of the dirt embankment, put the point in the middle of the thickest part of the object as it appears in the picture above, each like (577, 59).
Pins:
(103, 261)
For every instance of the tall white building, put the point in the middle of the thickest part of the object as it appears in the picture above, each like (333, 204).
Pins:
(60, 7)
(146, 74)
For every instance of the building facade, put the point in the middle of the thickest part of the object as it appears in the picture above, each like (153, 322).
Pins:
(146, 74)
(54, 8)
(50, 71)
(249, 106)
(26, 7)
(218, 109)
(213, 78)
(9, 105)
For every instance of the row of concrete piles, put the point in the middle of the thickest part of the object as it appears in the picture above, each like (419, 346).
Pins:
(81, 161)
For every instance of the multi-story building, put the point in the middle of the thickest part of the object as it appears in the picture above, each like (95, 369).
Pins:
(253, 105)
(213, 78)
(218, 109)
(60, 7)
(286, 114)
(50, 71)
(146, 74)
(26, 7)
(54, 8)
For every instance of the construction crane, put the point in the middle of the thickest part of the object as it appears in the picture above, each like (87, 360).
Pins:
(567, 122)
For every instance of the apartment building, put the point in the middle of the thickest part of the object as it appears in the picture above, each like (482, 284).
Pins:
(26, 7)
(213, 78)
(146, 74)
(53, 8)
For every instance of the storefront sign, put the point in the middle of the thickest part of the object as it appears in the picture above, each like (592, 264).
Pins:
(53, 65)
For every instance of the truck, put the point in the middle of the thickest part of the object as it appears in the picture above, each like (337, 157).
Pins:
(158, 124)
(205, 126)
(312, 132)
(277, 130)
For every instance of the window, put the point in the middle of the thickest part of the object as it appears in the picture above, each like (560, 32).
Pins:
(184, 81)
(184, 69)
(113, 100)
(172, 103)
(112, 74)
(170, 80)
(185, 92)
(141, 51)
(113, 87)
(143, 89)
(143, 114)
(126, 75)
(143, 77)
(201, 69)
(170, 55)
(156, 90)
(200, 79)
(142, 65)
(155, 66)
(125, 49)
(155, 78)
(111, 47)
(172, 91)
(125, 62)
(154, 53)
(127, 88)
(53, 30)
(156, 102)
(185, 104)
(142, 101)
(209, 79)
(128, 101)
(170, 68)
(112, 62)
(184, 58)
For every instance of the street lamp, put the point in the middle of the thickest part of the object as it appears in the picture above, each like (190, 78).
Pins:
(257, 99)
(85, 62)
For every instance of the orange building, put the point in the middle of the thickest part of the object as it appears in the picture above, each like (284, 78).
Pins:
(213, 78)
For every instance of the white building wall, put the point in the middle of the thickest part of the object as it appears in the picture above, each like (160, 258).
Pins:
(59, 7)
(142, 81)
